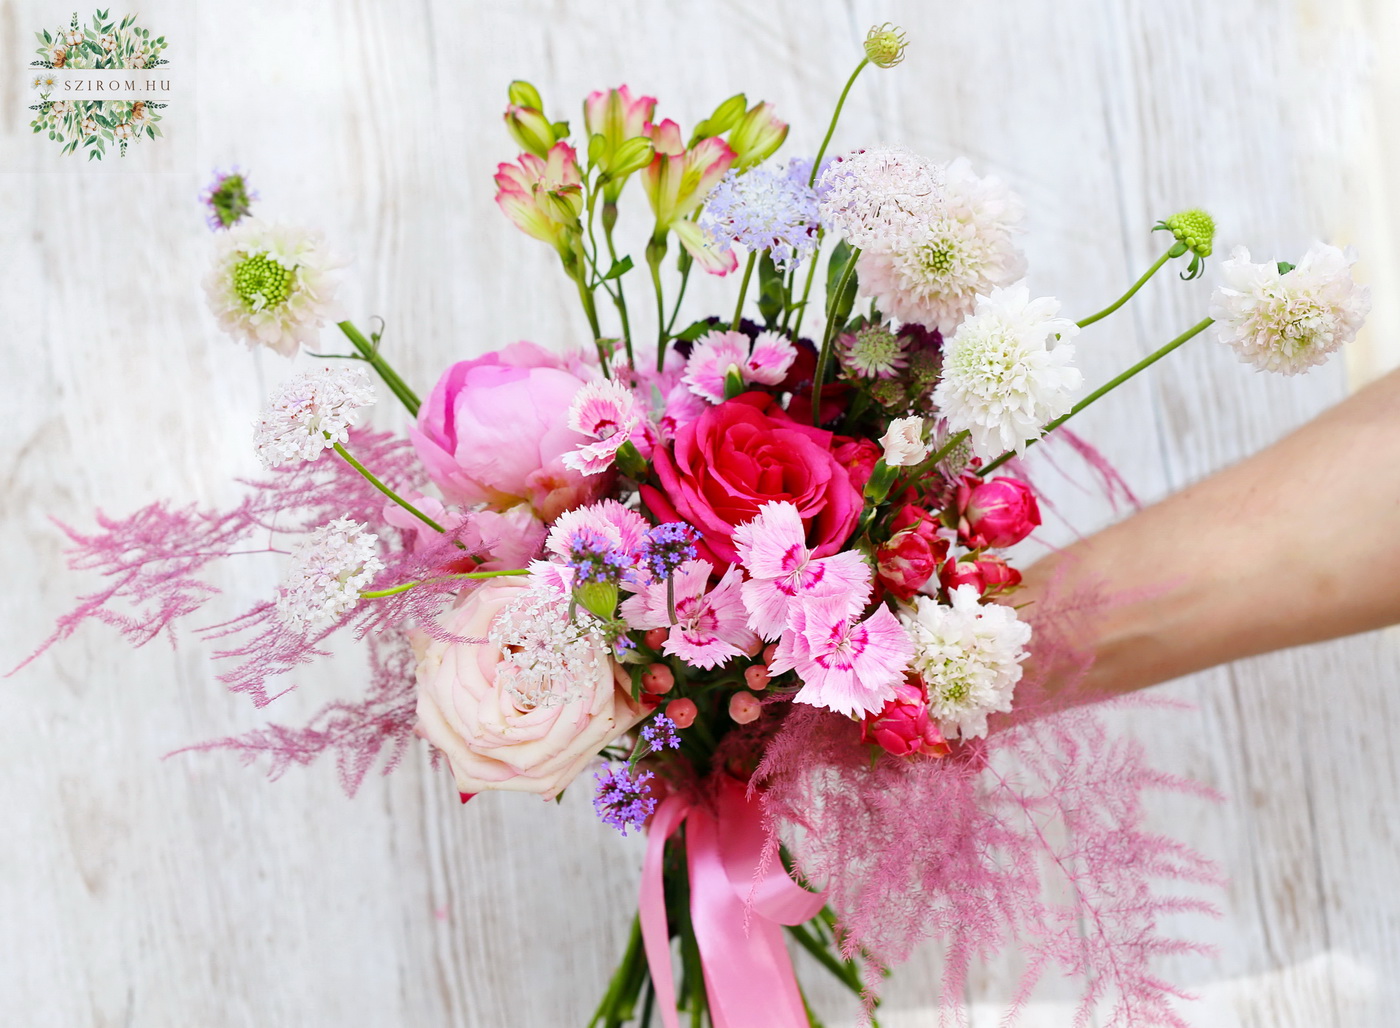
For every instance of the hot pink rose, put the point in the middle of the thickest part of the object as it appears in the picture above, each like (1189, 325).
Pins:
(495, 431)
(741, 454)
(470, 705)
(904, 727)
(997, 513)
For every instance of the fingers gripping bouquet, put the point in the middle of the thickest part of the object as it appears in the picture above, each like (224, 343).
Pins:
(758, 582)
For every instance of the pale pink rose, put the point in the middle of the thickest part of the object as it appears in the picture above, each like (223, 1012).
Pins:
(495, 430)
(470, 705)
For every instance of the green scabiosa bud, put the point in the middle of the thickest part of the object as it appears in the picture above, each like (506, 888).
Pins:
(1194, 231)
(884, 45)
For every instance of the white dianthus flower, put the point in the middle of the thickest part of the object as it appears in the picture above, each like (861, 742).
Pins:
(904, 442)
(969, 656)
(932, 272)
(876, 197)
(1002, 381)
(272, 285)
(329, 570)
(1289, 322)
(310, 413)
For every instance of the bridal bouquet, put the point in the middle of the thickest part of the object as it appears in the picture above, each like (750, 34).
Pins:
(749, 587)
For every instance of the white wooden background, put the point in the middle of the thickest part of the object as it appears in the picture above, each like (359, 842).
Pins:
(142, 892)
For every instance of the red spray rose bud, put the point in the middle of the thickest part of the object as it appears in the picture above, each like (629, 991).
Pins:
(911, 556)
(904, 727)
(858, 457)
(998, 513)
(658, 679)
(682, 712)
(997, 575)
(955, 573)
(464, 796)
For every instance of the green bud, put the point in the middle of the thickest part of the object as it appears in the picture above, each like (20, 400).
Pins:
(531, 130)
(597, 148)
(1195, 228)
(630, 461)
(598, 598)
(522, 94)
(632, 155)
(733, 383)
(563, 205)
(878, 486)
(884, 45)
(724, 118)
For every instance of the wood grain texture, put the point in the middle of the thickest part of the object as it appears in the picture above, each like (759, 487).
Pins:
(136, 891)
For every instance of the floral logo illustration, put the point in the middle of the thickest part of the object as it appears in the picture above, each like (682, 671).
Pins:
(94, 125)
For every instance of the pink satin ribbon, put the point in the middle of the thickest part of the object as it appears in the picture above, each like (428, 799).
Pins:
(736, 912)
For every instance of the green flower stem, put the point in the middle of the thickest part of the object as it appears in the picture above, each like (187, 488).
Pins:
(620, 299)
(1129, 294)
(1107, 387)
(591, 310)
(806, 291)
(743, 289)
(835, 117)
(842, 971)
(371, 354)
(404, 587)
(605, 1014)
(654, 263)
(374, 481)
(829, 335)
(687, 262)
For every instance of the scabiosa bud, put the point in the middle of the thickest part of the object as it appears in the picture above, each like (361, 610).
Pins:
(660, 734)
(668, 546)
(1195, 233)
(885, 45)
(228, 198)
(623, 800)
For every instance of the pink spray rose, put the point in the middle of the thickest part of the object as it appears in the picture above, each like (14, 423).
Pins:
(997, 513)
(495, 430)
(741, 454)
(904, 727)
(988, 574)
(506, 725)
(912, 554)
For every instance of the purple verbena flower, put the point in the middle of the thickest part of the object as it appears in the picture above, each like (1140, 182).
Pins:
(661, 734)
(595, 559)
(623, 800)
(667, 547)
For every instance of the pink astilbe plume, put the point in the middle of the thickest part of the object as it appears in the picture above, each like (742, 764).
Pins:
(957, 849)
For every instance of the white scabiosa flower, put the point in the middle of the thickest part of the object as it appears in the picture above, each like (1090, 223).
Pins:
(969, 656)
(876, 197)
(1002, 381)
(272, 285)
(1289, 321)
(932, 272)
(329, 570)
(310, 413)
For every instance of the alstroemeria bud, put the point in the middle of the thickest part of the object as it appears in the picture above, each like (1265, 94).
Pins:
(522, 94)
(632, 155)
(756, 137)
(530, 129)
(564, 205)
(998, 513)
(724, 118)
(903, 727)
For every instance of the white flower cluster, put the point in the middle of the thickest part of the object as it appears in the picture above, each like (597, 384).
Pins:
(969, 656)
(1289, 321)
(310, 413)
(272, 285)
(544, 652)
(1002, 381)
(932, 270)
(876, 197)
(329, 569)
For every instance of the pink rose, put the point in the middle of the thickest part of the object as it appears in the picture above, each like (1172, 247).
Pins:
(989, 574)
(493, 739)
(997, 513)
(495, 431)
(912, 554)
(904, 727)
(741, 454)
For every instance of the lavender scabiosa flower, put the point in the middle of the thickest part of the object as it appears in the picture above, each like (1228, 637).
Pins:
(623, 800)
(228, 198)
(667, 547)
(766, 208)
(874, 198)
(660, 734)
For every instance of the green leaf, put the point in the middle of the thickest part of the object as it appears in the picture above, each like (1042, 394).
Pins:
(618, 269)
(694, 331)
(772, 290)
(839, 308)
(94, 153)
(150, 132)
(47, 38)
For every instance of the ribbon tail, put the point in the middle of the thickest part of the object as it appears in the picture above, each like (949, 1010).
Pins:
(748, 974)
(651, 908)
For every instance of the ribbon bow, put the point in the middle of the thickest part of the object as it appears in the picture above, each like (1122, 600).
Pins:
(736, 910)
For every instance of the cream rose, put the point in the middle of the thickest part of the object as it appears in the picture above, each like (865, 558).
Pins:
(526, 718)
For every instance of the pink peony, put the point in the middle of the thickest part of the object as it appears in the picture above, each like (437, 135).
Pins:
(998, 513)
(506, 724)
(495, 430)
(738, 456)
